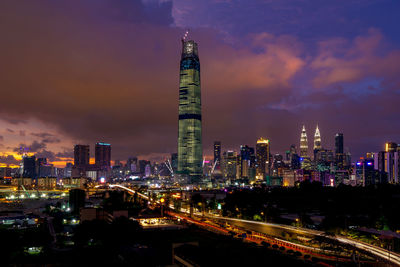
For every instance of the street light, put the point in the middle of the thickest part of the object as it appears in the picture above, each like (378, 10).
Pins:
(162, 200)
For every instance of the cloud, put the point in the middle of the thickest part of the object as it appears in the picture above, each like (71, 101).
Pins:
(47, 138)
(108, 70)
(341, 61)
(273, 66)
(35, 146)
(9, 159)
(46, 154)
(118, 75)
(65, 154)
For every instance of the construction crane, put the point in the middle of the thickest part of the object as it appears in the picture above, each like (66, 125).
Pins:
(213, 168)
(169, 166)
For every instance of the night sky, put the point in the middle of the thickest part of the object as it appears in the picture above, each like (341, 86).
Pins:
(82, 71)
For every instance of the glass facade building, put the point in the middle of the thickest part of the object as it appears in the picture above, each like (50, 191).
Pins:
(190, 150)
(263, 160)
(103, 155)
(217, 154)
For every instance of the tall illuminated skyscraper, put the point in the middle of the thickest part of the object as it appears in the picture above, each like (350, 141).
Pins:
(190, 150)
(317, 139)
(303, 143)
(262, 157)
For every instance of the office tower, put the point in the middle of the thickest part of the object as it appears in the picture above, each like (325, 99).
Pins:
(317, 139)
(76, 200)
(293, 149)
(217, 155)
(174, 161)
(144, 167)
(340, 157)
(387, 165)
(147, 170)
(339, 143)
(29, 167)
(380, 165)
(246, 160)
(131, 164)
(278, 161)
(229, 164)
(190, 151)
(324, 156)
(303, 143)
(40, 162)
(81, 155)
(103, 155)
(246, 152)
(392, 166)
(238, 166)
(262, 158)
(68, 169)
(370, 176)
(391, 147)
(295, 162)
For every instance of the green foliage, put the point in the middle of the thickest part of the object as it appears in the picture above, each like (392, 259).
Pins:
(344, 206)
(257, 217)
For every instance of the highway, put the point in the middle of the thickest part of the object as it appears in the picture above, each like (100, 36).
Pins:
(266, 228)
(271, 229)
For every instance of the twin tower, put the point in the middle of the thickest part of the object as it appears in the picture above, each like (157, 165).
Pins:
(190, 150)
(304, 142)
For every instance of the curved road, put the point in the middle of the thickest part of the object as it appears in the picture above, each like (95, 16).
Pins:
(266, 228)
(253, 225)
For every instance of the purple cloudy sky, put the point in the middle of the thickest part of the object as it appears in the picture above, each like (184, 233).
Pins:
(81, 71)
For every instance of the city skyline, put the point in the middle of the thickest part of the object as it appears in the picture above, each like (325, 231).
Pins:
(198, 133)
(101, 86)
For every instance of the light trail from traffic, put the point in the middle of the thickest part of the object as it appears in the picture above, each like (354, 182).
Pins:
(380, 252)
(129, 190)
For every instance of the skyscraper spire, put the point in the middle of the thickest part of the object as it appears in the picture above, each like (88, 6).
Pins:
(303, 143)
(317, 139)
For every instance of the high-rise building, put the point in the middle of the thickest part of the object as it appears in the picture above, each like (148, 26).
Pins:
(303, 143)
(68, 169)
(76, 199)
(103, 155)
(339, 143)
(392, 161)
(132, 164)
(143, 167)
(391, 147)
(81, 155)
(190, 151)
(324, 156)
(217, 155)
(29, 167)
(340, 157)
(317, 139)
(262, 158)
(229, 164)
(246, 160)
(174, 161)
